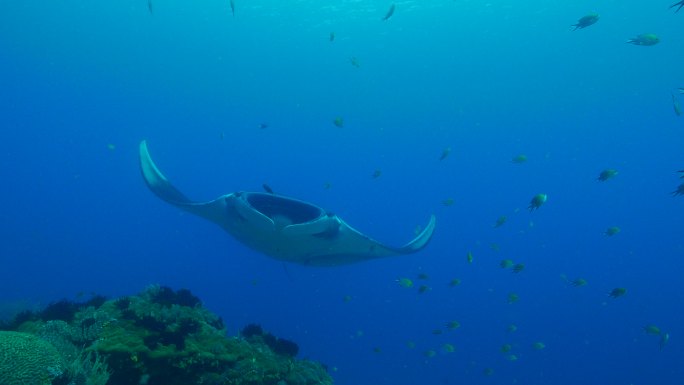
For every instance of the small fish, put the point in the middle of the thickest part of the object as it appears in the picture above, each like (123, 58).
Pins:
(111, 147)
(537, 201)
(405, 282)
(423, 276)
(681, 90)
(676, 106)
(586, 21)
(512, 357)
(430, 353)
(518, 268)
(511, 328)
(445, 153)
(645, 39)
(355, 61)
(617, 292)
(664, 339)
(518, 159)
(454, 282)
(448, 348)
(488, 371)
(262, 125)
(347, 298)
(424, 289)
(500, 221)
(376, 174)
(495, 247)
(607, 174)
(613, 230)
(513, 298)
(377, 349)
(579, 282)
(538, 346)
(389, 13)
(505, 348)
(652, 330)
(232, 7)
(267, 188)
(470, 257)
(451, 325)
(437, 332)
(327, 185)
(338, 121)
(506, 263)
(410, 344)
(150, 7)
(332, 37)
(448, 202)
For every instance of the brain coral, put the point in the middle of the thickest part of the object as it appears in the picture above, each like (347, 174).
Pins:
(27, 360)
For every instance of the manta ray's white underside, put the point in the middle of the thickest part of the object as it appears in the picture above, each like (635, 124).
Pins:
(280, 227)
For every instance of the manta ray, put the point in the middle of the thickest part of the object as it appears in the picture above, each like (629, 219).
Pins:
(283, 228)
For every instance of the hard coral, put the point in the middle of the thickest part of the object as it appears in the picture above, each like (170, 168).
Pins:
(27, 360)
(165, 296)
(277, 345)
(162, 337)
(63, 310)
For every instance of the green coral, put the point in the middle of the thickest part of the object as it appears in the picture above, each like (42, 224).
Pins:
(26, 359)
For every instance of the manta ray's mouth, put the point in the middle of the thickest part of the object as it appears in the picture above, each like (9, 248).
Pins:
(277, 207)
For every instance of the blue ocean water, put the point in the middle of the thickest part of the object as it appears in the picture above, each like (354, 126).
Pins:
(82, 82)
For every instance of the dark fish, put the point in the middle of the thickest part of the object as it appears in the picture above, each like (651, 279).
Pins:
(332, 36)
(390, 12)
(149, 7)
(445, 153)
(232, 7)
(617, 292)
(263, 125)
(680, 3)
(645, 39)
(665, 337)
(607, 174)
(267, 188)
(586, 21)
(675, 105)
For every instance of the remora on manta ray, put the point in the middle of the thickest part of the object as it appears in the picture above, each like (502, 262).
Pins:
(280, 227)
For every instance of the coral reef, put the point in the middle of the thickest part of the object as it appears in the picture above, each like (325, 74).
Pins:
(159, 337)
(26, 359)
(254, 333)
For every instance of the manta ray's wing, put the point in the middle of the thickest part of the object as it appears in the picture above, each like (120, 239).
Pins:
(283, 228)
(353, 246)
(161, 187)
